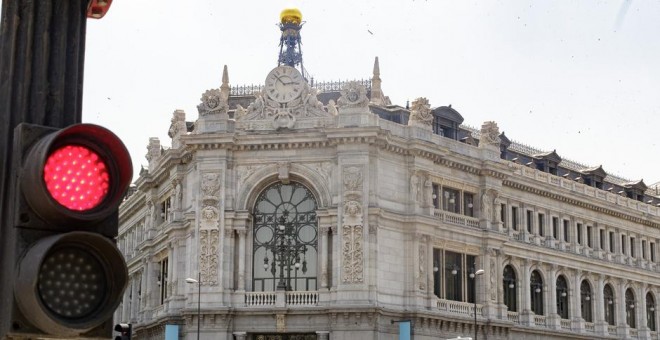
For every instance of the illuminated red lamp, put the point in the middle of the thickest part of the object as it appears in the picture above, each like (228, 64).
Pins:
(77, 174)
(98, 8)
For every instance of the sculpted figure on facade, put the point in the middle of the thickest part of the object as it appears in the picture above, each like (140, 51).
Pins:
(421, 277)
(332, 108)
(153, 152)
(428, 192)
(490, 135)
(177, 128)
(150, 216)
(420, 113)
(178, 194)
(352, 213)
(414, 187)
(487, 206)
(212, 102)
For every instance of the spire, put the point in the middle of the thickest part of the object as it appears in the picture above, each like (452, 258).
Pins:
(224, 88)
(376, 69)
(377, 96)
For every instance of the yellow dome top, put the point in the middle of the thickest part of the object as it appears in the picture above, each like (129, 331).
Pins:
(290, 15)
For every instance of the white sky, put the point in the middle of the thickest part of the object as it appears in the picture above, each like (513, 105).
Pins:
(581, 77)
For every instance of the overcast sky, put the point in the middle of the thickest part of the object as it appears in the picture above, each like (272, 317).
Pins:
(581, 77)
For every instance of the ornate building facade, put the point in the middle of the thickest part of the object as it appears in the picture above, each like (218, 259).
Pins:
(321, 211)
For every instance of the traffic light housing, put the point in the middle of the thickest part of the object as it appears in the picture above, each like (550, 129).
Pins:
(125, 331)
(68, 275)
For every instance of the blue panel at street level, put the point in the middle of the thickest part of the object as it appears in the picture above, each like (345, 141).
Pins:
(404, 330)
(171, 332)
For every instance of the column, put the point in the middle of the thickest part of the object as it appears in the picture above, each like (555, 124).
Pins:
(336, 249)
(240, 335)
(640, 308)
(622, 326)
(599, 305)
(575, 296)
(135, 282)
(241, 259)
(551, 296)
(323, 242)
(126, 305)
(526, 317)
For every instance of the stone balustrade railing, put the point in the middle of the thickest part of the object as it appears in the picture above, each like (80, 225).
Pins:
(458, 307)
(634, 332)
(565, 323)
(513, 317)
(539, 320)
(303, 298)
(456, 219)
(611, 329)
(589, 327)
(574, 186)
(259, 299)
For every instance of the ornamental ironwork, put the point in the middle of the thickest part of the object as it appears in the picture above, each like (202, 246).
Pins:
(285, 239)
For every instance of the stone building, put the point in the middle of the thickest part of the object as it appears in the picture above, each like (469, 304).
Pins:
(300, 210)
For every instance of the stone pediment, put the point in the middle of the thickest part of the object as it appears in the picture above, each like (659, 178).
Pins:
(447, 112)
(639, 185)
(595, 171)
(549, 156)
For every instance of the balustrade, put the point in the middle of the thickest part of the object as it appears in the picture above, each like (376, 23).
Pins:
(565, 324)
(539, 320)
(611, 329)
(302, 298)
(589, 327)
(513, 317)
(458, 307)
(259, 299)
(456, 219)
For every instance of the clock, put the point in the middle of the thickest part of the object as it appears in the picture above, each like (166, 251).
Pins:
(283, 84)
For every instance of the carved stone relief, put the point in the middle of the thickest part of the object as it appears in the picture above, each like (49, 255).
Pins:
(177, 128)
(490, 135)
(353, 95)
(352, 253)
(420, 113)
(422, 265)
(212, 102)
(208, 253)
(209, 233)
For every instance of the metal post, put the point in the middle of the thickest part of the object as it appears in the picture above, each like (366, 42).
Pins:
(199, 301)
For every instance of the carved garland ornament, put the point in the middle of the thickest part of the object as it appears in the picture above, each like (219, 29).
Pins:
(209, 233)
(353, 95)
(352, 226)
(212, 103)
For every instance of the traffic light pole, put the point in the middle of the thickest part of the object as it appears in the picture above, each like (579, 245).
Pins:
(41, 82)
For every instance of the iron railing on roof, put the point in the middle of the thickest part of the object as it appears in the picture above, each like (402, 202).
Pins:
(322, 86)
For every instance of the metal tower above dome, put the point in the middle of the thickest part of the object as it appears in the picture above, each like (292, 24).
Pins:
(290, 42)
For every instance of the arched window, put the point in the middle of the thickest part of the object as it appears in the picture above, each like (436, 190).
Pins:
(650, 312)
(285, 239)
(562, 297)
(586, 301)
(608, 302)
(536, 292)
(630, 308)
(510, 289)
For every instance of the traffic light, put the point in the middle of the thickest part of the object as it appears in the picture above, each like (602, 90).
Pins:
(68, 275)
(125, 331)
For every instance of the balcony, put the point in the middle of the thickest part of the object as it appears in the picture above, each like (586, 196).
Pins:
(282, 298)
(456, 219)
(458, 307)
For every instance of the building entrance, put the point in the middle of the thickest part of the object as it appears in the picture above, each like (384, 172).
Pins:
(285, 336)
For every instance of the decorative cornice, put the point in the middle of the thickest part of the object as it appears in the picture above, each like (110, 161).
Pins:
(578, 202)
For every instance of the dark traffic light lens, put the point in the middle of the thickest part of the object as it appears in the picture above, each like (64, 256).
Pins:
(76, 177)
(71, 282)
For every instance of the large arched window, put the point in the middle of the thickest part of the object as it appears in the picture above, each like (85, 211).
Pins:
(608, 302)
(650, 312)
(586, 301)
(510, 289)
(536, 292)
(285, 239)
(630, 308)
(562, 297)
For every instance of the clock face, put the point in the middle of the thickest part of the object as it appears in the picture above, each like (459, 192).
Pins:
(283, 84)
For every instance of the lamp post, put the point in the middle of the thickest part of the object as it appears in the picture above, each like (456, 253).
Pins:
(286, 249)
(199, 297)
(473, 276)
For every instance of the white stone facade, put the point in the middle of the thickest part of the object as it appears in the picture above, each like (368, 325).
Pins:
(394, 203)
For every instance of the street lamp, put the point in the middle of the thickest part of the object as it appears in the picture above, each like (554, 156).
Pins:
(286, 249)
(199, 297)
(473, 276)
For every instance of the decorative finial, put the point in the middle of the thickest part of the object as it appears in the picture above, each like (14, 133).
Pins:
(376, 68)
(224, 88)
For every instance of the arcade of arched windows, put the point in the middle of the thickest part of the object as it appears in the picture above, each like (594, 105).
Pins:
(554, 294)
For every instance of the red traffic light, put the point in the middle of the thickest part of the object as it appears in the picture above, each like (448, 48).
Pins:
(76, 177)
(98, 8)
(77, 174)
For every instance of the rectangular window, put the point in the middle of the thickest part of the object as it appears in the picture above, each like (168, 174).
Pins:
(623, 244)
(468, 204)
(451, 200)
(601, 236)
(566, 231)
(555, 228)
(578, 228)
(611, 242)
(453, 276)
(436, 196)
(530, 216)
(590, 243)
(514, 218)
(652, 246)
(632, 247)
(644, 249)
(162, 281)
(503, 213)
(165, 208)
(541, 224)
(437, 272)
